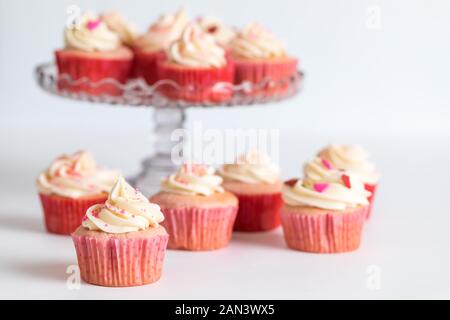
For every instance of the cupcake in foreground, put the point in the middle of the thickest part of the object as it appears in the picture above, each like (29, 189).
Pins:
(326, 216)
(198, 66)
(92, 52)
(119, 25)
(70, 185)
(222, 33)
(120, 243)
(259, 56)
(150, 47)
(256, 183)
(353, 159)
(199, 214)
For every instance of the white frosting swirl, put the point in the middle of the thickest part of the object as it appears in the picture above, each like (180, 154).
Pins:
(253, 167)
(351, 158)
(118, 24)
(256, 42)
(91, 34)
(222, 33)
(193, 179)
(195, 48)
(163, 32)
(339, 191)
(75, 176)
(319, 169)
(126, 210)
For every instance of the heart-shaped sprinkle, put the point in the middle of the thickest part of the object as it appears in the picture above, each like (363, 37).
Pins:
(327, 164)
(93, 24)
(320, 187)
(346, 179)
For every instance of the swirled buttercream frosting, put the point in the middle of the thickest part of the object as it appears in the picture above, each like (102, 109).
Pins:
(163, 32)
(193, 179)
(75, 176)
(119, 25)
(256, 42)
(91, 34)
(338, 191)
(126, 210)
(196, 48)
(253, 167)
(353, 159)
(222, 33)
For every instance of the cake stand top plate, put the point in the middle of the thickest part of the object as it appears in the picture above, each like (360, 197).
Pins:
(138, 93)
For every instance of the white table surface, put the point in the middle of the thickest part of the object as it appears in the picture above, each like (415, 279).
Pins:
(407, 241)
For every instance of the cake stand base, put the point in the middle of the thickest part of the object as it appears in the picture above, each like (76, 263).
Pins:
(161, 164)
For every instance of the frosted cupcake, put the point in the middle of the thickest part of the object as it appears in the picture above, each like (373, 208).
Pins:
(117, 23)
(70, 185)
(120, 243)
(222, 33)
(199, 68)
(92, 52)
(256, 183)
(260, 57)
(199, 214)
(324, 216)
(353, 159)
(150, 47)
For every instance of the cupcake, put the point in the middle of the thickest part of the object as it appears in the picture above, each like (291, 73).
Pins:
(199, 214)
(222, 33)
(261, 59)
(119, 25)
(150, 47)
(93, 53)
(324, 216)
(120, 242)
(354, 159)
(256, 183)
(198, 67)
(70, 185)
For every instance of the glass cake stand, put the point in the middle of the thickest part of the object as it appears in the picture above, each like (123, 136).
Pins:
(169, 114)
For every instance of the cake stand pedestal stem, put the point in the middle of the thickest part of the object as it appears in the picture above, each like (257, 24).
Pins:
(160, 165)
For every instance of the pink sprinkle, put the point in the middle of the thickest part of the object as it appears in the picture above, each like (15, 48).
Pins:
(93, 24)
(106, 224)
(346, 179)
(84, 218)
(320, 187)
(327, 164)
(181, 180)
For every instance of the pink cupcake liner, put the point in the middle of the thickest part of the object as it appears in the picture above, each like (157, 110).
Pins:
(120, 261)
(279, 72)
(197, 84)
(258, 212)
(199, 228)
(63, 215)
(329, 232)
(145, 65)
(93, 69)
(372, 188)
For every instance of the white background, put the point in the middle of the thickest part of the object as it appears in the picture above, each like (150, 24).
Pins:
(385, 88)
